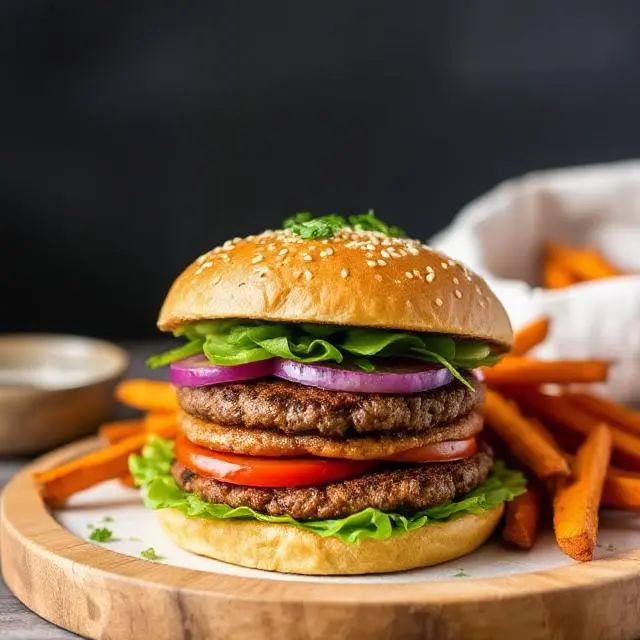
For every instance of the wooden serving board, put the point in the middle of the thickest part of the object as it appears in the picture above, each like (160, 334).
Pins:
(100, 593)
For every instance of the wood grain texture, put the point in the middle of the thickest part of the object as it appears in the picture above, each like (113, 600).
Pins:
(16, 621)
(101, 594)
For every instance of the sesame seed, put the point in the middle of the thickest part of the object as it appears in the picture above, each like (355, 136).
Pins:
(409, 274)
(381, 263)
(344, 273)
(237, 239)
(416, 273)
(397, 281)
(403, 253)
(413, 251)
(371, 247)
(271, 247)
(369, 254)
(225, 257)
(372, 263)
(256, 259)
(330, 251)
(308, 275)
(458, 294)
(283, 252)
(444, 265)
(439, 302)
(323, 254)
(456, 281)
(307, 258)
(452, 263)
(430, 277)
(430, 269)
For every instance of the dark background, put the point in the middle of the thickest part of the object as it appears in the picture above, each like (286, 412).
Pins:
(136, 135)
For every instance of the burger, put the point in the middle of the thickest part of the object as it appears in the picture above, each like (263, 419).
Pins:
(330, 395)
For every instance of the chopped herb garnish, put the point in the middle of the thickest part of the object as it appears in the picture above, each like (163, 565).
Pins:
(150, 554)
(134, 539)
(107, 519)
(369, 222)
(101, 534)
(460, 573)
(91, 526)
(307, 226)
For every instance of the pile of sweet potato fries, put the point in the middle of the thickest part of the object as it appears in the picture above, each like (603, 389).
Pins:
(563, 265)
(539, 417)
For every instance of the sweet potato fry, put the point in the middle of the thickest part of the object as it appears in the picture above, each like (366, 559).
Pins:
(113, 432)
(524, 440)
(559, 410)
(606, 410)
(147, 395)
(523, 517)
(555, 276)
(127, 481)
(529, 336)
(61, 482)
(519, 370)
(577, 500)
(621, 490)
(164, 424)
(584, 264)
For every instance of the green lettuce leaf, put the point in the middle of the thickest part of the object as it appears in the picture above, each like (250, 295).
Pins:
(232, 342)
(151, 470)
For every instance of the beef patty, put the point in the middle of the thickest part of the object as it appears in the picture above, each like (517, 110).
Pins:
(399, 490)
(293, 408)
(258, 442)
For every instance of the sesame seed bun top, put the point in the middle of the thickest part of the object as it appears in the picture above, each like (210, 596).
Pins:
(353, 278)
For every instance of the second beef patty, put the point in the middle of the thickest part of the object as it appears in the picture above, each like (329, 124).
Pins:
(405, 489)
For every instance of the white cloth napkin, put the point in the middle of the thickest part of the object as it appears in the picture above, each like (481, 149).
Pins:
(500, 235)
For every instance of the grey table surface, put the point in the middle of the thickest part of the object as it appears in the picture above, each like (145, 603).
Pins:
(16, 621)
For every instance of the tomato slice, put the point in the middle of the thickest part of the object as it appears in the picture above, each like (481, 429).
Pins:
(256, 471)
(438, 452)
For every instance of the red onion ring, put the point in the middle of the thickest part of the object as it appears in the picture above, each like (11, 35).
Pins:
(409, 378)
(197, 371)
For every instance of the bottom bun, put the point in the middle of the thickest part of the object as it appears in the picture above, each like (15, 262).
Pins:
(285, 548)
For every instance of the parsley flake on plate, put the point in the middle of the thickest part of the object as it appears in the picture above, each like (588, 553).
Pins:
(101, 534)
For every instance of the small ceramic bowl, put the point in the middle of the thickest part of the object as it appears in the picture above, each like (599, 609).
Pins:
(54, 389)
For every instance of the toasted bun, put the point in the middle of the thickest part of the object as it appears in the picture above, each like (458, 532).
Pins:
(354, 278)
(284, 548)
